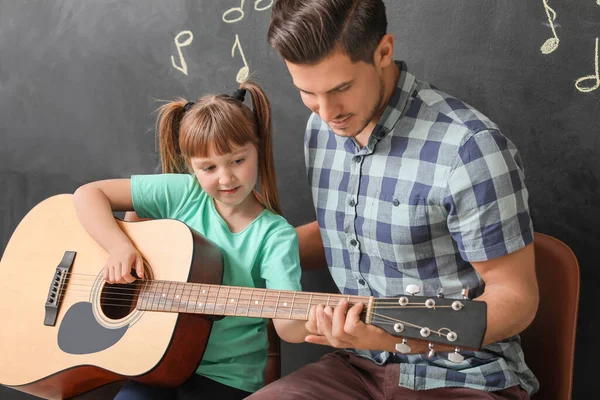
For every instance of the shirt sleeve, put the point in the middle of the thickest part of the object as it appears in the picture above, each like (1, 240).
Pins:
(161, 195)
(280, 260)
(487, 201)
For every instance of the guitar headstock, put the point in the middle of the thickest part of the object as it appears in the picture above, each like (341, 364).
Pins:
(455, 322)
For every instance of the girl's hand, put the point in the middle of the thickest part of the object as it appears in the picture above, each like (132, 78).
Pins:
(121, 261)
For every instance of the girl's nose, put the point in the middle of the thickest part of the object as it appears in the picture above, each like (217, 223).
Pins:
(226, 178)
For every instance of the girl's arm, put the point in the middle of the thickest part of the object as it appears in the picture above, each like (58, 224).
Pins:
(94, 204)
(131, 216)
(291, 331)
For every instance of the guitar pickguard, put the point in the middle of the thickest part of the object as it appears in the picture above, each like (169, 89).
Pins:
(80, 332)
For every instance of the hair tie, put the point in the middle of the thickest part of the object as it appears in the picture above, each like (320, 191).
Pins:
(188, 105)
(239, 94)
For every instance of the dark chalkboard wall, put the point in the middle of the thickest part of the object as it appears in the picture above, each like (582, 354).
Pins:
(79, 81)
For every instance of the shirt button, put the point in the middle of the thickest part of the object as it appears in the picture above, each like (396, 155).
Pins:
(352, 203)
(353, 242)
(357, 159)
(361, 281)
(396, 203)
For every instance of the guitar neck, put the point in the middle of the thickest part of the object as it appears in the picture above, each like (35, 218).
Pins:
(195, 298)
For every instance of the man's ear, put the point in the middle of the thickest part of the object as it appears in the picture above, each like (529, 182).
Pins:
(384, 54)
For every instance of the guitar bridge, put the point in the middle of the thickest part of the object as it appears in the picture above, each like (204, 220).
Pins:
(59, 280)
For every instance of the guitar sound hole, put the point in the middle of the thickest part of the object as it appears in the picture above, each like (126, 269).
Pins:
(118, 300)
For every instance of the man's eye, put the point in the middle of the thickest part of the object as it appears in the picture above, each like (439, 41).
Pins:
(343, 89)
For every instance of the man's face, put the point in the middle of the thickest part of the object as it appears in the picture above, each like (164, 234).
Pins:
(347, 96)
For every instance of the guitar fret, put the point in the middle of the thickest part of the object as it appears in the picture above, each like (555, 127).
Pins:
(292, 307)
(182, 300)
(216, 303)
(208, 302)
(174, 297)
(176, 305)
(170, 296)
(184, 297)
(195, 299)
(237, 302)
(263, 303)
(205, 292)
(156, 301)
(153, 292)
(141, 298)
(149, 295)
(157, 297)
(250, 302)
(226, 300)
(309, 306)
(277, 304)
(194, 286)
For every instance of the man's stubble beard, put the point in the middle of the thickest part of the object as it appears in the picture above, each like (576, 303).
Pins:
(374, 111)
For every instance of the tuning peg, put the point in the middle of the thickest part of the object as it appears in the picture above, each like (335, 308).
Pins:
(431, 352)
(465, 294)
(413, 289)
(441, 293)
(403, 347)
(456, 357)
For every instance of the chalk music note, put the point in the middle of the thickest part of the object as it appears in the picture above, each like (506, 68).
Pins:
(242, 74)
(239, 10)
(551, 44)
(257, 8)
(179, 45)
(595, 77)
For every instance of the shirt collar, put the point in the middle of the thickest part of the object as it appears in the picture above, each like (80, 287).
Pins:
(396, 107)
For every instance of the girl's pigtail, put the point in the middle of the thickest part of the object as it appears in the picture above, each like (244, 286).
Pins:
(262, 114)
(167, 129)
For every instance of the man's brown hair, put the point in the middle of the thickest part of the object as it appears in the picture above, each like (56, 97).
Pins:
(307, 31)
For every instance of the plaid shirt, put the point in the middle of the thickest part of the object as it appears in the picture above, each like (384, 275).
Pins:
(436, 187)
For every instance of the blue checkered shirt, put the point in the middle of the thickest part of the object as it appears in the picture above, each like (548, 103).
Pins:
(437, 186)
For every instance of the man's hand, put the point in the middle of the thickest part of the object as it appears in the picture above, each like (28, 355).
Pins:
(342, 328)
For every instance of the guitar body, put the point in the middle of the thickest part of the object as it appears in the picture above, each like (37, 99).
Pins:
(95, 340)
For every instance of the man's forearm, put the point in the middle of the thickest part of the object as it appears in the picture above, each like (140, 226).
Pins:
(511, 293)
(508, 313)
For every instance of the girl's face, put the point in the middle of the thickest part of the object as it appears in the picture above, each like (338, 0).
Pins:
(228, 178)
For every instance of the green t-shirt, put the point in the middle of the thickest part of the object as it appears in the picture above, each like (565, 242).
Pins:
(263, 255)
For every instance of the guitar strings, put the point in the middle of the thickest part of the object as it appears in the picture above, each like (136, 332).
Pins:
(195, 289)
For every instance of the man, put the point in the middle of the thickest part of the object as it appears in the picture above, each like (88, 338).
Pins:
(411, 187)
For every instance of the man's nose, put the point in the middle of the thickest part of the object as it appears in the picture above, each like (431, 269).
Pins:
(328, 109)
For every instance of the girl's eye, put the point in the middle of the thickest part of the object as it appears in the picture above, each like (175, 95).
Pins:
(208, 169)
(239, 161)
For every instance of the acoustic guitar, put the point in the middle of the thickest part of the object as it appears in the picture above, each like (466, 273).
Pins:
(66, 331)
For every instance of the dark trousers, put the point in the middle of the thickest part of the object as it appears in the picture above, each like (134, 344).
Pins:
(342, 376)
(197, 387)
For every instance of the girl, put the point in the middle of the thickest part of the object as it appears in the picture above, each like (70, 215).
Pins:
(228, 148)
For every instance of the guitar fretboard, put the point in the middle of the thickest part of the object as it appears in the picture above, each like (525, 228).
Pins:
(182, 297)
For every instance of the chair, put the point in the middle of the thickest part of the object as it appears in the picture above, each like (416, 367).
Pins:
(549, 342)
